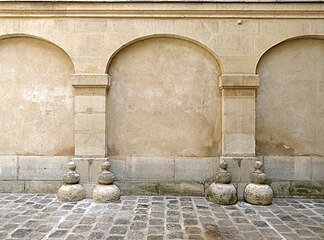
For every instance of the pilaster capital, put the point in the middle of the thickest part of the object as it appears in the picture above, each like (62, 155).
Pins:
(91, 80)
(239, 81)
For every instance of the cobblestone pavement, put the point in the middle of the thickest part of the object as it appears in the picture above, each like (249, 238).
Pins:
(35, 216)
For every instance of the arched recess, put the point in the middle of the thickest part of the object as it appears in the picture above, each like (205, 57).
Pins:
(36, 97)
(290, 109)
(164, 99)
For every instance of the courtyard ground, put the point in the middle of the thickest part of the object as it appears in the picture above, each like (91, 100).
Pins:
(42, 216)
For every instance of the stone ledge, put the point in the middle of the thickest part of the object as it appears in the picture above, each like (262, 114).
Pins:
(239, 81)
(90, 80)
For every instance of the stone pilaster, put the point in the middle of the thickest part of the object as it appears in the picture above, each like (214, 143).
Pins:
(238, 114)
(238, 125)
(90, 114)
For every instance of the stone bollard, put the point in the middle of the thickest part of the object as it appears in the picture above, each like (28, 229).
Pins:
(221, 191)
(105, 191)
(257, 192)
(71, 190)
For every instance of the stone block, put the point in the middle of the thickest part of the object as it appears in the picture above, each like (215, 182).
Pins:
(12, 186)
(233, 166)
(195, 169)
(239, 81)
(89, 189)
(307, 189)
(118, 167)
(247, 167)
(240, 190)
(90, 144)
(298, 168)
(90, 151)
(95, 168)
(237, 105)
(279, 167)
(239, 144)
(150, 168)
(318, 169)
(42, 167)
(90, 104)
(181, 188)
(280, 188)
(93, 122)
(82, 167)
(8, 168)
(90, 80)
(303, 169)
(243, 123)
(42, 186)
(138, 187)
(88, 168)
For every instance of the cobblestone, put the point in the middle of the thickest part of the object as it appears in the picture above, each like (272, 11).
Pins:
(37, 216)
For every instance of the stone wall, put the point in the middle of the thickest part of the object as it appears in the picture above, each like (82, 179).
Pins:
(165, 90)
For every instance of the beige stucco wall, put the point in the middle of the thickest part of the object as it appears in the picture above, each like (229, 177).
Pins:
(110, 49)
(290, 99)
(36, 98)
(164, 100)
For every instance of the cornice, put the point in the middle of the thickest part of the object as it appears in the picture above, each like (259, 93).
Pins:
(161, 10)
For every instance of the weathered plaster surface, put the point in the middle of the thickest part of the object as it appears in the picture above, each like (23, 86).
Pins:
(164, 112)
(290, 100)
(36, 98)
(164, 100)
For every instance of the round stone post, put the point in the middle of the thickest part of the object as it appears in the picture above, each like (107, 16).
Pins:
(221, 191)
(105, 191)
(257, 192)
(71, 190)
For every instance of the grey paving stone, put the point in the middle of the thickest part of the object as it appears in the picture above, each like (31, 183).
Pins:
(75, 237)
(119, 230)
(155, 237)
(260, 224)
(192, 230)
(140, 218)
(21, 233)
(190, 221)
(173, 227)
(169, 217)
(135, 235)
(253, 236)
(58, 234)
(156, 221)
(318, 230)
(137, 225)
(81, 229)
(173, 219)
(66, 225)
(121, 221)
(156, 230)
(116, 238)
(175, 235)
